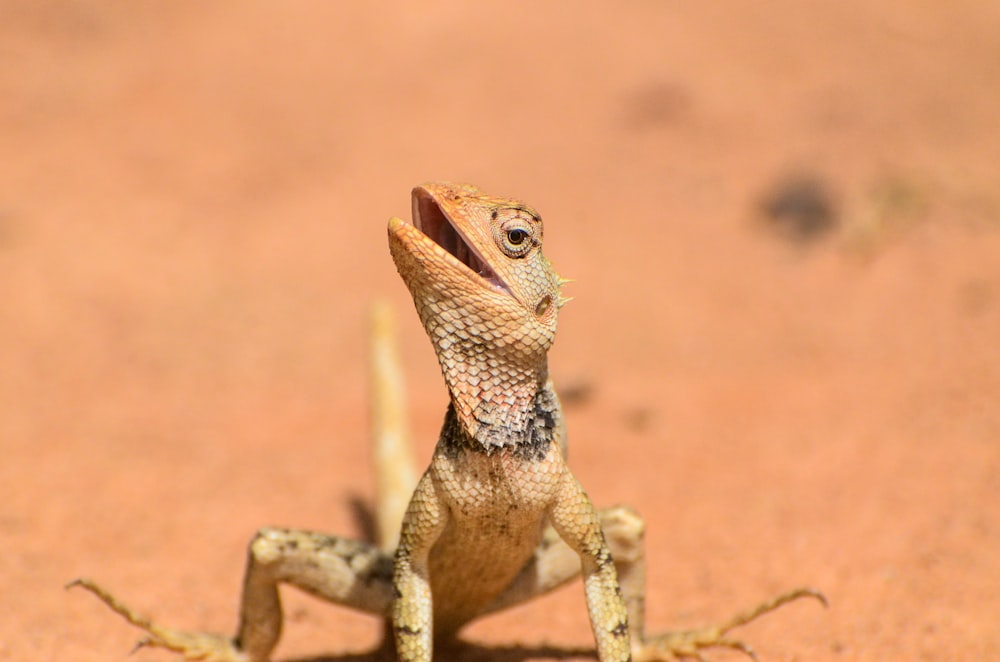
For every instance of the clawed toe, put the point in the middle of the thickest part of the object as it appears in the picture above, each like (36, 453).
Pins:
(690, 644)
(202, 646)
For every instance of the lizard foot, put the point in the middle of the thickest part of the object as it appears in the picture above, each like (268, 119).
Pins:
(690, 643)
(192, 645)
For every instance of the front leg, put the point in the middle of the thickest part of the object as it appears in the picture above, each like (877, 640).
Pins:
(577, 523)
(412, 609)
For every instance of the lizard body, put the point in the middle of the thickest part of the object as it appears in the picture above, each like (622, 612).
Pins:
(488, 299)
(497, 518)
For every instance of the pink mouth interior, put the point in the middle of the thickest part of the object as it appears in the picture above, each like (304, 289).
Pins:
(429, 218)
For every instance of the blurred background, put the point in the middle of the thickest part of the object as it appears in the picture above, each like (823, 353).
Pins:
(783, 222)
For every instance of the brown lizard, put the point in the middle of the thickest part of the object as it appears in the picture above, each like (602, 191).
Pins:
(497, 518)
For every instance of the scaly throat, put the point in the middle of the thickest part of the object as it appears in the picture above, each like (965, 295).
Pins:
(493, 377)
(529, 432)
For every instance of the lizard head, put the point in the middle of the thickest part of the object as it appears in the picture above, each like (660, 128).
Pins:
(487, 297)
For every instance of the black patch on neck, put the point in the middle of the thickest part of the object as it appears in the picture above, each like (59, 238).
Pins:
(531, 443)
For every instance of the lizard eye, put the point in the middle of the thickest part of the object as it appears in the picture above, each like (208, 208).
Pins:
(516, 238)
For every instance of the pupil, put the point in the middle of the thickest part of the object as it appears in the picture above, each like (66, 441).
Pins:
(517, 237)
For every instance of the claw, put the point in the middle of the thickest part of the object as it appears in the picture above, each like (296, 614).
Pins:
(738, 645)
(142, 643)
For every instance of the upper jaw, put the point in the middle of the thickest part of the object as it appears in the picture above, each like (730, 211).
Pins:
(432, 219)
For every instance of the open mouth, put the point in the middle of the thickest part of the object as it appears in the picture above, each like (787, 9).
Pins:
(429, 218)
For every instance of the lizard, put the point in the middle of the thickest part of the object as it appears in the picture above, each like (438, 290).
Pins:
(498, 517)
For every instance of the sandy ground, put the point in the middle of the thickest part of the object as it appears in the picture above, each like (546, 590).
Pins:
(783, 220)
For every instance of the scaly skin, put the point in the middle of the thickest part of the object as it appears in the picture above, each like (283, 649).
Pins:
(489, 306)
(497, 518)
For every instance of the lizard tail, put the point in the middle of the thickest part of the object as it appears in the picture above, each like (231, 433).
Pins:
(395, 472)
